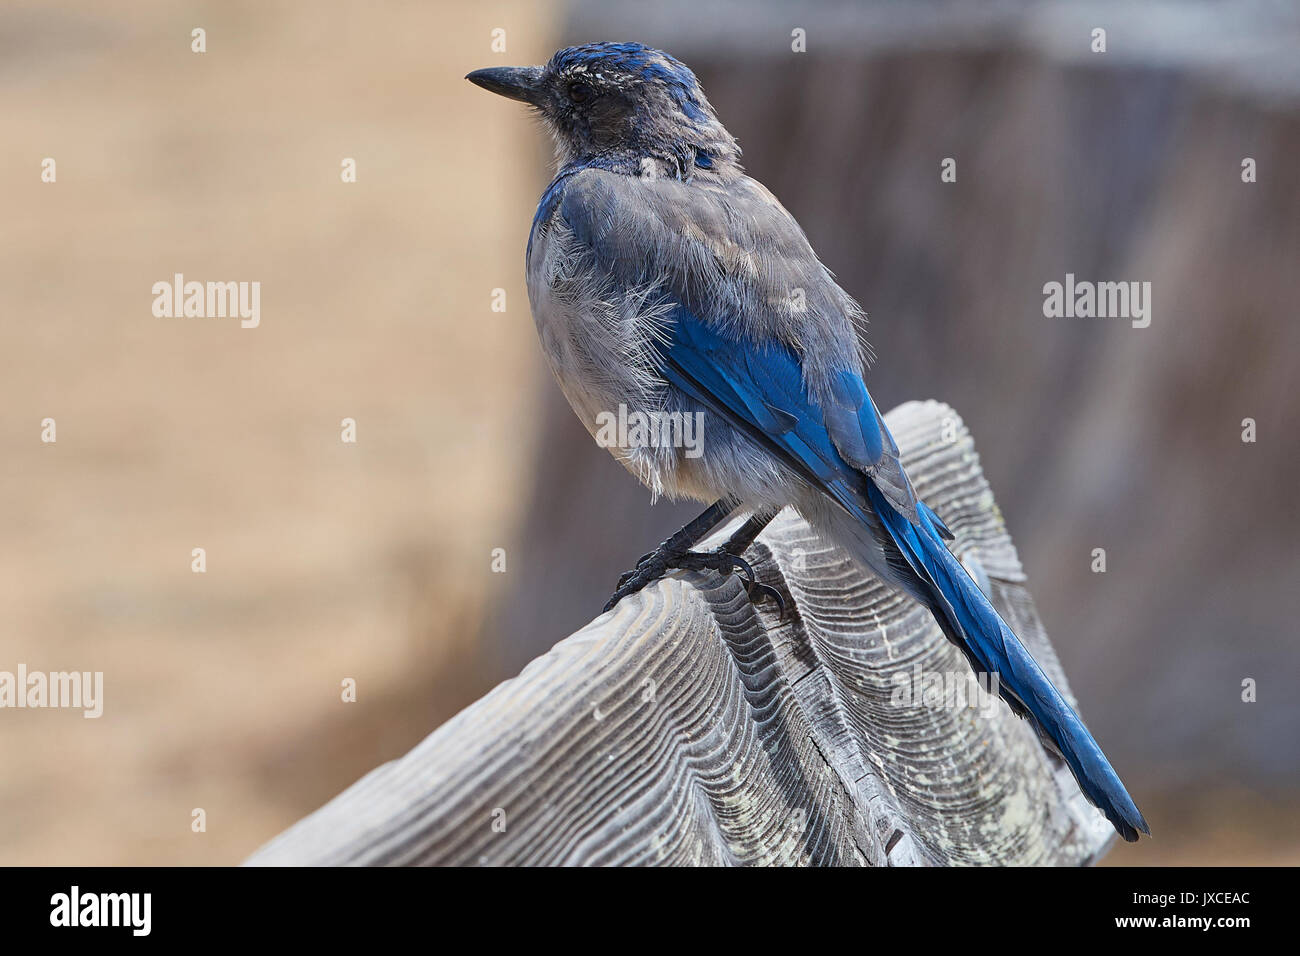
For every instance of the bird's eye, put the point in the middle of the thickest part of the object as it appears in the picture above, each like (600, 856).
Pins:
(580, 92)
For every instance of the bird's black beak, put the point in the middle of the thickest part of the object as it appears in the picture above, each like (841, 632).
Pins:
(521, 83)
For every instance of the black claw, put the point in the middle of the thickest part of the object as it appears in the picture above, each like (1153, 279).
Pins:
(745, 568)
(651, 567)
(641, 564)
(758, 591)
(723, 562)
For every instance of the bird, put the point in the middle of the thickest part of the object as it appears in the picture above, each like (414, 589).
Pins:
(664, 280)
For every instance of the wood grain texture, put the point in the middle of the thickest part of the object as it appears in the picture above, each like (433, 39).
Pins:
(688, 726)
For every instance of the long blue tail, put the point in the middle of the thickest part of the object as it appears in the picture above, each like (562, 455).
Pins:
(974, 625)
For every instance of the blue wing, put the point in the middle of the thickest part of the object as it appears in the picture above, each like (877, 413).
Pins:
(760, 389)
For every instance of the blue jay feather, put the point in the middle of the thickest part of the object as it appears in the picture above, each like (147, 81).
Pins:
(662, 278)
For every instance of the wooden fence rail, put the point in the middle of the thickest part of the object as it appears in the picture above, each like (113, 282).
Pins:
(688, 726)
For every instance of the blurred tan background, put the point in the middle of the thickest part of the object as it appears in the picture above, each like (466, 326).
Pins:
(325, 560)
(372, 561)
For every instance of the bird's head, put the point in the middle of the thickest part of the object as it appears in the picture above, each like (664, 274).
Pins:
(620, 102)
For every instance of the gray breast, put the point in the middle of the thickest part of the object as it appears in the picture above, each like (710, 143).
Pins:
(595, 335)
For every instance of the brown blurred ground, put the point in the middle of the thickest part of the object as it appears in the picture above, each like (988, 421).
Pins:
(325, 560)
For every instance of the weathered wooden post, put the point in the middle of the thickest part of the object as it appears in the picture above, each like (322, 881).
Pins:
(690, 727)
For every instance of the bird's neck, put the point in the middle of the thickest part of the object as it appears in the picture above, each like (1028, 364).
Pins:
(654, 161)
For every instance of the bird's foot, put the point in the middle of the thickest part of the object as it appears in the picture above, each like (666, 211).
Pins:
(653, 566)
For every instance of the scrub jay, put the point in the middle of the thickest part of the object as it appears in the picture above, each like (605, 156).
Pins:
(665, 281)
